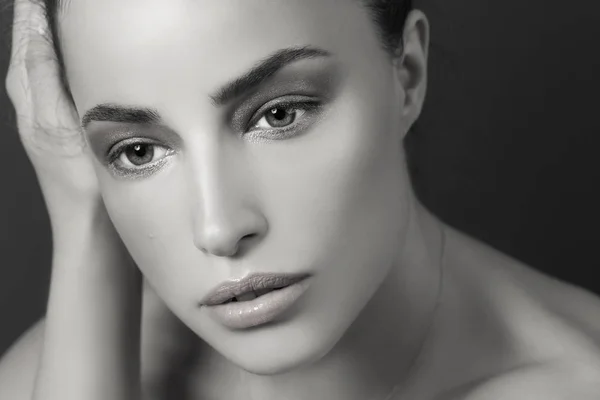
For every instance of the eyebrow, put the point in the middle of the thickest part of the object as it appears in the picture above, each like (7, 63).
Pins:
(121, 114)
(262, 71)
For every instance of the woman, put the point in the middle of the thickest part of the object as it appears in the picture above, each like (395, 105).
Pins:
(247, 157)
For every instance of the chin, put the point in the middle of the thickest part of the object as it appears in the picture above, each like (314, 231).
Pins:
(270, 367)
(277, 364)
(278, 355)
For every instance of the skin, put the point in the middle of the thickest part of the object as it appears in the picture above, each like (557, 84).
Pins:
(331, 198)
(232, 199)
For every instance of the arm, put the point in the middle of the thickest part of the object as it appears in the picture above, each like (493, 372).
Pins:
(165, 342)
(19, 364)
(91, 337)
(91, 340)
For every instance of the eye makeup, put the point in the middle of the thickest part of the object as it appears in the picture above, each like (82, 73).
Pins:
(109, 142)
(303, 111)
(308, 83)
(284, 107)
(103, 136)
(118, 157)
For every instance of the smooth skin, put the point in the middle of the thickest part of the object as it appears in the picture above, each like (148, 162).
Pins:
(234, 195)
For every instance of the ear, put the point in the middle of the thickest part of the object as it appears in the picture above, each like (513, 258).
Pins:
(410, 64)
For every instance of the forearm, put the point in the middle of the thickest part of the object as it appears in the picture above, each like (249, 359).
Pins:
(91, 342)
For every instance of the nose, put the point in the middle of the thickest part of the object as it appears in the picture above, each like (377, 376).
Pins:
(229, 231)
(228, 220)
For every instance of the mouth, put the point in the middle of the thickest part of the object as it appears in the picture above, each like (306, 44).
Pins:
(255, 300)
(249, 288)
(251, 295)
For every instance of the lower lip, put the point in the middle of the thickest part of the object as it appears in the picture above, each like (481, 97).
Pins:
(259, 311)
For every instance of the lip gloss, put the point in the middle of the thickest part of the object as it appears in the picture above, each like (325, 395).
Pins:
(260, 310)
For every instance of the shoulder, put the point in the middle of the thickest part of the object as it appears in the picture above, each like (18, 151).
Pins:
(557, 381)
(552, 330)
(532, 302)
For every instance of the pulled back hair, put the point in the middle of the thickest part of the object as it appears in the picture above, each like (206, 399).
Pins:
(388, 15)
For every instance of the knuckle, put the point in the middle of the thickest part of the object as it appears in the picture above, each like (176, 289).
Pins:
(16, 80)
(14, 86)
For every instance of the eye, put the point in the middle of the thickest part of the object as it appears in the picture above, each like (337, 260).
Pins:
(279, 117)
(136, 155)
(284, 117)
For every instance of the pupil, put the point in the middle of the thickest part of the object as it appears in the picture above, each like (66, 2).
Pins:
(278, 113)
(139, 150)
(280, 117)
(140, 154)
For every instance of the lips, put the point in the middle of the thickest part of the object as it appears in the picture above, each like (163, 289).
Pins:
(251, 295)
(249, 288)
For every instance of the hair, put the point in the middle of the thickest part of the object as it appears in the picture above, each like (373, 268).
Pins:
(388, 15)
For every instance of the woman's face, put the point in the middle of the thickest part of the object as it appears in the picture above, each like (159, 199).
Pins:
(211, 173)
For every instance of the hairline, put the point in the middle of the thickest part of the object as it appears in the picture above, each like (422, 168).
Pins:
(391, 43)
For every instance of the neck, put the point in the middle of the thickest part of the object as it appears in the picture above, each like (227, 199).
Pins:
(379, 353)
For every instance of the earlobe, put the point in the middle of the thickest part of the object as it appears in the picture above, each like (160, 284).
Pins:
(410, 63)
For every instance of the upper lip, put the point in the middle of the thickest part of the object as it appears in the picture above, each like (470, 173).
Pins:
(230, 289)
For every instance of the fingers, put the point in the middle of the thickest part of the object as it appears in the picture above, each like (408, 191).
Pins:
(47, 118)
(30, 44)
(29, 20)
(33, 65)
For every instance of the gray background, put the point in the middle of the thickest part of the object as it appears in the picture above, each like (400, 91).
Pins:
(506, 150)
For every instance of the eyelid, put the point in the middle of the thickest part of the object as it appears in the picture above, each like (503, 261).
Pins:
(282, 102)
(145, 170)
(114, 152)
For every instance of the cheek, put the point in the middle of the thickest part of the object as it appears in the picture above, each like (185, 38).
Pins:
(338, 202)
(344, 184)
(150, 216)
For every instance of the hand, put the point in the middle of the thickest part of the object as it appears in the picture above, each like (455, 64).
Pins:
(46, 117)
(92, 328)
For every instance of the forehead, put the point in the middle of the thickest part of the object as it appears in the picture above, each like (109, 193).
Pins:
(127, 50)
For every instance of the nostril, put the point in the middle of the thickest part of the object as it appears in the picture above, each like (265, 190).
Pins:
(249, 236)
(229, 237)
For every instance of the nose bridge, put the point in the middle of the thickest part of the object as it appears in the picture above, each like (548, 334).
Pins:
(225, 211)
(215, 181)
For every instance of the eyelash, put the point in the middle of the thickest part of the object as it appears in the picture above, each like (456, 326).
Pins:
(117, 152)
(254, 132)
(308, 106)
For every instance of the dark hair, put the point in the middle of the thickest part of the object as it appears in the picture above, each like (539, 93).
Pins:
(388, 15)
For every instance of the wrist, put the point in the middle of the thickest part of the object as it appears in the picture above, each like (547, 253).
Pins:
(84, 227)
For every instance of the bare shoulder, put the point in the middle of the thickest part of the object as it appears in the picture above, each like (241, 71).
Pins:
(18, 366)
(550, 330)
(524, 290)
(564, 381)
(557, 381)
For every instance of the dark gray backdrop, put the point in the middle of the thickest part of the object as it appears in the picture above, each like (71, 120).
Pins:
(506, 150)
